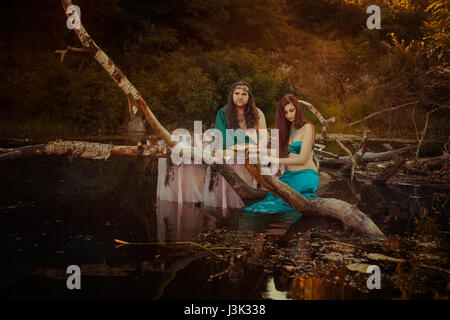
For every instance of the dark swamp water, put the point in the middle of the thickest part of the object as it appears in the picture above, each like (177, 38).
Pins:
(56, 212)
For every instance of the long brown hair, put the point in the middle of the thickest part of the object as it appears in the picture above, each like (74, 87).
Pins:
(251, 112)
(284, 125)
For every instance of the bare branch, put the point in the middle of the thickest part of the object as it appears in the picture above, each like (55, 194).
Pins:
(425, 128)
(384, 110)
(325, 124)
(72, 49)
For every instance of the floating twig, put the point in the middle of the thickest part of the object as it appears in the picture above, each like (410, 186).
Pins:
(123, 243)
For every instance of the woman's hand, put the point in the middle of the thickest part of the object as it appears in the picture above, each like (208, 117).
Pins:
(269, 159)
(237, 147)
(251, 149)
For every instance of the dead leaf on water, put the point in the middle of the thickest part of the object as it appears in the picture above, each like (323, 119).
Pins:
(360, 267)
(378, 256)
(289, 268)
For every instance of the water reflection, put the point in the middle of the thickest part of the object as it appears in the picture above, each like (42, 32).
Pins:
(56, 212)
(320, 289)
(176, 222)
(279, 284)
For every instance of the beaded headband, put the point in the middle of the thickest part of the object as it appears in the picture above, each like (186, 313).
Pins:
(242, 88)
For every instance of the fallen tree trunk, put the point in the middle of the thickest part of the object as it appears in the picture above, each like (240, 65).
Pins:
(349, 215)
(427, 165)
(84, 149)
(95, 150)
(435, 163)
(367, 157)
(14, 153)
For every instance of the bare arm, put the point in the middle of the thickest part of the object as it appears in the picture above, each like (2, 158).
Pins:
(261, 120)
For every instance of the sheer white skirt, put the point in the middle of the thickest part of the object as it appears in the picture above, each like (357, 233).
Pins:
(198, 183)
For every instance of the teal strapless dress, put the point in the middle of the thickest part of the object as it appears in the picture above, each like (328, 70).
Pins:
(304, 182)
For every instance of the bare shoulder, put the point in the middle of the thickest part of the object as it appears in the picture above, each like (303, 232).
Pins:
(307, 127)
(260, 113)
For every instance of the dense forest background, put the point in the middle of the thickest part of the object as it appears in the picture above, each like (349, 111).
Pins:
(183, 56)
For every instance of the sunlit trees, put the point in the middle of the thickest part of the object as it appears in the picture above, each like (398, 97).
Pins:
(183, 55)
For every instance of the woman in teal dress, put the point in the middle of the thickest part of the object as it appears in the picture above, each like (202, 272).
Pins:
(296, 152)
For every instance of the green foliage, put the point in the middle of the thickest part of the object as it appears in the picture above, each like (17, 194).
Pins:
(437, 25)
(76, 91)
(184, 55)
(229, 66)
(202, 20)
(178, 90)
(150, 42)
(190, 85)
(325, 17)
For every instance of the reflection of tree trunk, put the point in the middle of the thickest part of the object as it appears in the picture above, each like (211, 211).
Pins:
(389, 171)
(355, 188)
(102, 270)
(171, 272)
(242, 189)
(146, 210)
(424, 131)
(395, 200)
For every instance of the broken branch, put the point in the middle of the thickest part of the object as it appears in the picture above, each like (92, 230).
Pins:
(384, 110)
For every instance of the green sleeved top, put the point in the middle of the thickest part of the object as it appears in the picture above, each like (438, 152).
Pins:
(221, 124)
